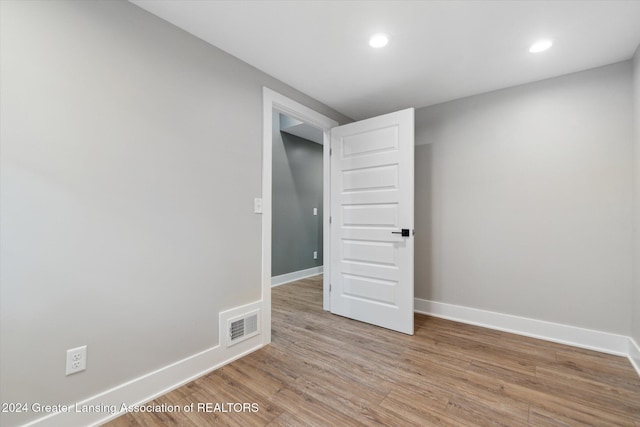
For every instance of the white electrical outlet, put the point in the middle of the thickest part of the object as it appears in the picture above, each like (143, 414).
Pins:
(76, 360)
(315, 254)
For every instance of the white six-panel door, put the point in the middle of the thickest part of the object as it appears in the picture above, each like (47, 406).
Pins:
(371, 202)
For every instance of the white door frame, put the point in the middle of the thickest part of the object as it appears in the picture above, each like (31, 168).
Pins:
(275, 102)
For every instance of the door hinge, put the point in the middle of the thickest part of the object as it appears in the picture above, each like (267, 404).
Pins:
(330, 151)
(329, 219)
(329, 287)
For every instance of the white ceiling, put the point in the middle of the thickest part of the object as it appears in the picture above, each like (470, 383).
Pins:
(438, 50)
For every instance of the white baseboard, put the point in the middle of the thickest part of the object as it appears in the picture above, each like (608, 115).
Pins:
(295, 275)
(151, 385)
(634, 354)
(578, 337)
(154, 384)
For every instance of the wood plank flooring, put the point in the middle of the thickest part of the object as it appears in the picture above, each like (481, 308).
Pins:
(325, 370)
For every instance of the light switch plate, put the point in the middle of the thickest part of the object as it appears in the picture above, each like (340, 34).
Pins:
(315, 211)
(257, 205)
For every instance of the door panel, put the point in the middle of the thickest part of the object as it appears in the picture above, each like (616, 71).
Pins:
(371, 199)
(370, 214)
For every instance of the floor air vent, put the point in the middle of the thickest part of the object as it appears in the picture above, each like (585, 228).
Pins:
(243, 327)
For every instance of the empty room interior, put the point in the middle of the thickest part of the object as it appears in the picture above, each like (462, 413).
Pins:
(327, 213)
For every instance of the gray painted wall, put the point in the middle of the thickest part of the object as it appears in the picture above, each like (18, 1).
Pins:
(131, 154)
(297, 189)
(523, 200)
(636, 215)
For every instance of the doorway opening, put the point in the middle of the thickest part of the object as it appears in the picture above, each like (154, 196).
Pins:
(297, 190)
(368, 188)
(275, 105)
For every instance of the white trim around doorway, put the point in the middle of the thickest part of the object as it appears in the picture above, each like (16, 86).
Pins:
(275, 102)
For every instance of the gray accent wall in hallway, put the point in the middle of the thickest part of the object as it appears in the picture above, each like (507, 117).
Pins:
(297, 189)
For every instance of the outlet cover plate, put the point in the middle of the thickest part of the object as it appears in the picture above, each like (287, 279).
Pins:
(76, 360)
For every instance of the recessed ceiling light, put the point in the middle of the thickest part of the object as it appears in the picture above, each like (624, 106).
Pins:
(540, 46)
(378, 40)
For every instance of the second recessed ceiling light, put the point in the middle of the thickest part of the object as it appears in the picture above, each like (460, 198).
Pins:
(378, 40)
(540, 46)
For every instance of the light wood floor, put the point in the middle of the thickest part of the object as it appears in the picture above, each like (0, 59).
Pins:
(325, 370)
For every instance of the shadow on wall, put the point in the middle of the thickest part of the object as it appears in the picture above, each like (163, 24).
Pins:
(423, 270)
